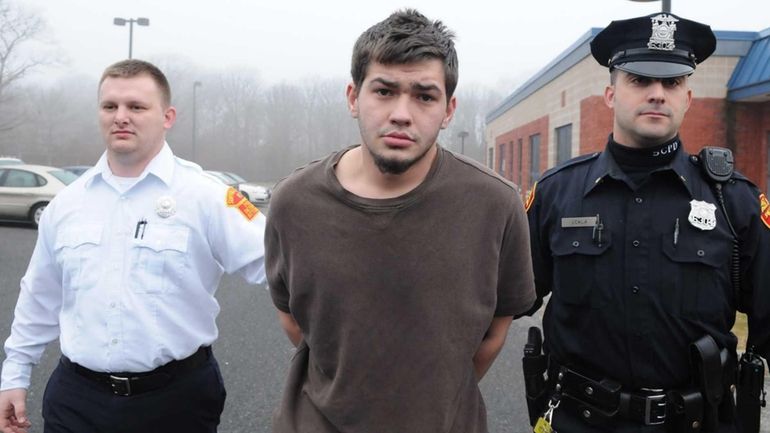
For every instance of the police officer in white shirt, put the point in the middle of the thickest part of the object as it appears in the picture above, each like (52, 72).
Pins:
(124, 272)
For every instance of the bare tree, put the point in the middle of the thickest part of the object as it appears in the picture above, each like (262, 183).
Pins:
(473, 104)
(17, 29)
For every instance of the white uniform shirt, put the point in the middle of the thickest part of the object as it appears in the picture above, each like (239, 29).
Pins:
(127, 296)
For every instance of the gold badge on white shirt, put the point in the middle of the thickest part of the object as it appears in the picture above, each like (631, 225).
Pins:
(165, 206)
(702, 215)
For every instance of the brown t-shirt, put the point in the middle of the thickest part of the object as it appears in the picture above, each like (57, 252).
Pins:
(394, 296)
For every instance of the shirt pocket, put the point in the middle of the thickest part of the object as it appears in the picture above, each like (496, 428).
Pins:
(159, 258)
(78, 254)
(581, 274)
(694, 275)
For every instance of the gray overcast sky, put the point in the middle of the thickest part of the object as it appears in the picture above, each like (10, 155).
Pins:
(499, 42)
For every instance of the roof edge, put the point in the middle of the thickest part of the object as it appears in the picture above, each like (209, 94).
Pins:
(531, 85)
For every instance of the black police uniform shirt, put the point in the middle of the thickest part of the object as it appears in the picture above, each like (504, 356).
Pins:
(633, 281)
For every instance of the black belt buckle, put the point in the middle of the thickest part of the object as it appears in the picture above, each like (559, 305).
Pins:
(120, 385)
(655, 407)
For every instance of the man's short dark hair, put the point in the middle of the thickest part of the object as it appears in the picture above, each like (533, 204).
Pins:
(406, 36)
(132, 68)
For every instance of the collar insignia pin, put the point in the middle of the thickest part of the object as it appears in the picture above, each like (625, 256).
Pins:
(165, 206)
(663, 28)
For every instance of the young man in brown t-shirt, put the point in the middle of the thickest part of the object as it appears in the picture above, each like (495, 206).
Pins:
(396, 265)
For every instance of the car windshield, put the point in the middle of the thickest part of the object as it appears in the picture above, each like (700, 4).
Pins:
(221, 176)
(66, 177)
(11, 161)
(236, 177)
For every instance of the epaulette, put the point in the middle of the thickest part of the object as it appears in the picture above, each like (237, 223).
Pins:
(569, 163)
(187, 163)
(740, 176)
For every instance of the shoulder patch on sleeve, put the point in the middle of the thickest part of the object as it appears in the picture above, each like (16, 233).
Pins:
(572, 162)
(764, 209)
(233, 198)
(530, 197)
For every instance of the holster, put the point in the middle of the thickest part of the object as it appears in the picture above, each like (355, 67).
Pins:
(534, 365)
(750, 396)
(709, 399)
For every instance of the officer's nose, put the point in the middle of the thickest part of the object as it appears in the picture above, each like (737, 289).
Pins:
(657, 92)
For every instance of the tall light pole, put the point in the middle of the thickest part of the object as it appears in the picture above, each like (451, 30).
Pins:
(194, 116)
(665, 6)
(462, 135)
(131, 21)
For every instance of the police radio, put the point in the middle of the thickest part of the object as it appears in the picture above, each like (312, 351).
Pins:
(717, 163)
(750, 397)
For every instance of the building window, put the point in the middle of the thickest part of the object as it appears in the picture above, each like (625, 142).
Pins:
(491, 158)
(501, 159)
(563, 143)
(519, 159)
(534, 158)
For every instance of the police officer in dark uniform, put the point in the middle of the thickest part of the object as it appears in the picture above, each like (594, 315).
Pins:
(637, 250)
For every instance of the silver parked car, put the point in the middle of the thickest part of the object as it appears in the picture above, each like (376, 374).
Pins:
(77, 169)
(25, 190)
(8, 160)
(253, 192)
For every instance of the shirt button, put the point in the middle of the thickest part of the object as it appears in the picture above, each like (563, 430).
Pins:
(638, 199)
(112, 305)
(701, 253)
(576, 244)
(114, 341)
(635, 289)
(635, 243)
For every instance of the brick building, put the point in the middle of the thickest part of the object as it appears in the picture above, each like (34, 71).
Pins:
(560, 112)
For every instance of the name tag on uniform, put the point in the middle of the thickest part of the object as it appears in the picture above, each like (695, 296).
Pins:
(588, 221)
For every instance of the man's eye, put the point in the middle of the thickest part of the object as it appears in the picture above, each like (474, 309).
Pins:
(383, 92)
(426, 98)
(671, 82)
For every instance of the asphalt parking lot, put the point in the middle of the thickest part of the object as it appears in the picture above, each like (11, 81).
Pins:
(252, 350)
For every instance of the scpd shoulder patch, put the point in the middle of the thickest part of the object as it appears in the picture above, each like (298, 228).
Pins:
(764, 209)
(530, 198)
(233, 198)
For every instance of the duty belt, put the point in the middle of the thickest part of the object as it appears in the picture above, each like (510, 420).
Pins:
(127, 384)
(700, 405)
(598, 401)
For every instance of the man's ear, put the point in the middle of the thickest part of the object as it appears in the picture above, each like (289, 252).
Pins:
(450, 112)
(352, 96)
(169, 117)
(609, 96)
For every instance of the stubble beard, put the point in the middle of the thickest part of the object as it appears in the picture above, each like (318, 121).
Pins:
(394, 165)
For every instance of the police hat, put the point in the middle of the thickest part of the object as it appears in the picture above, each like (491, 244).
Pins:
(660, 45)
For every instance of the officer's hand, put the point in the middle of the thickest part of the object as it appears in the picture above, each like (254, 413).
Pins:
(13, 411)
